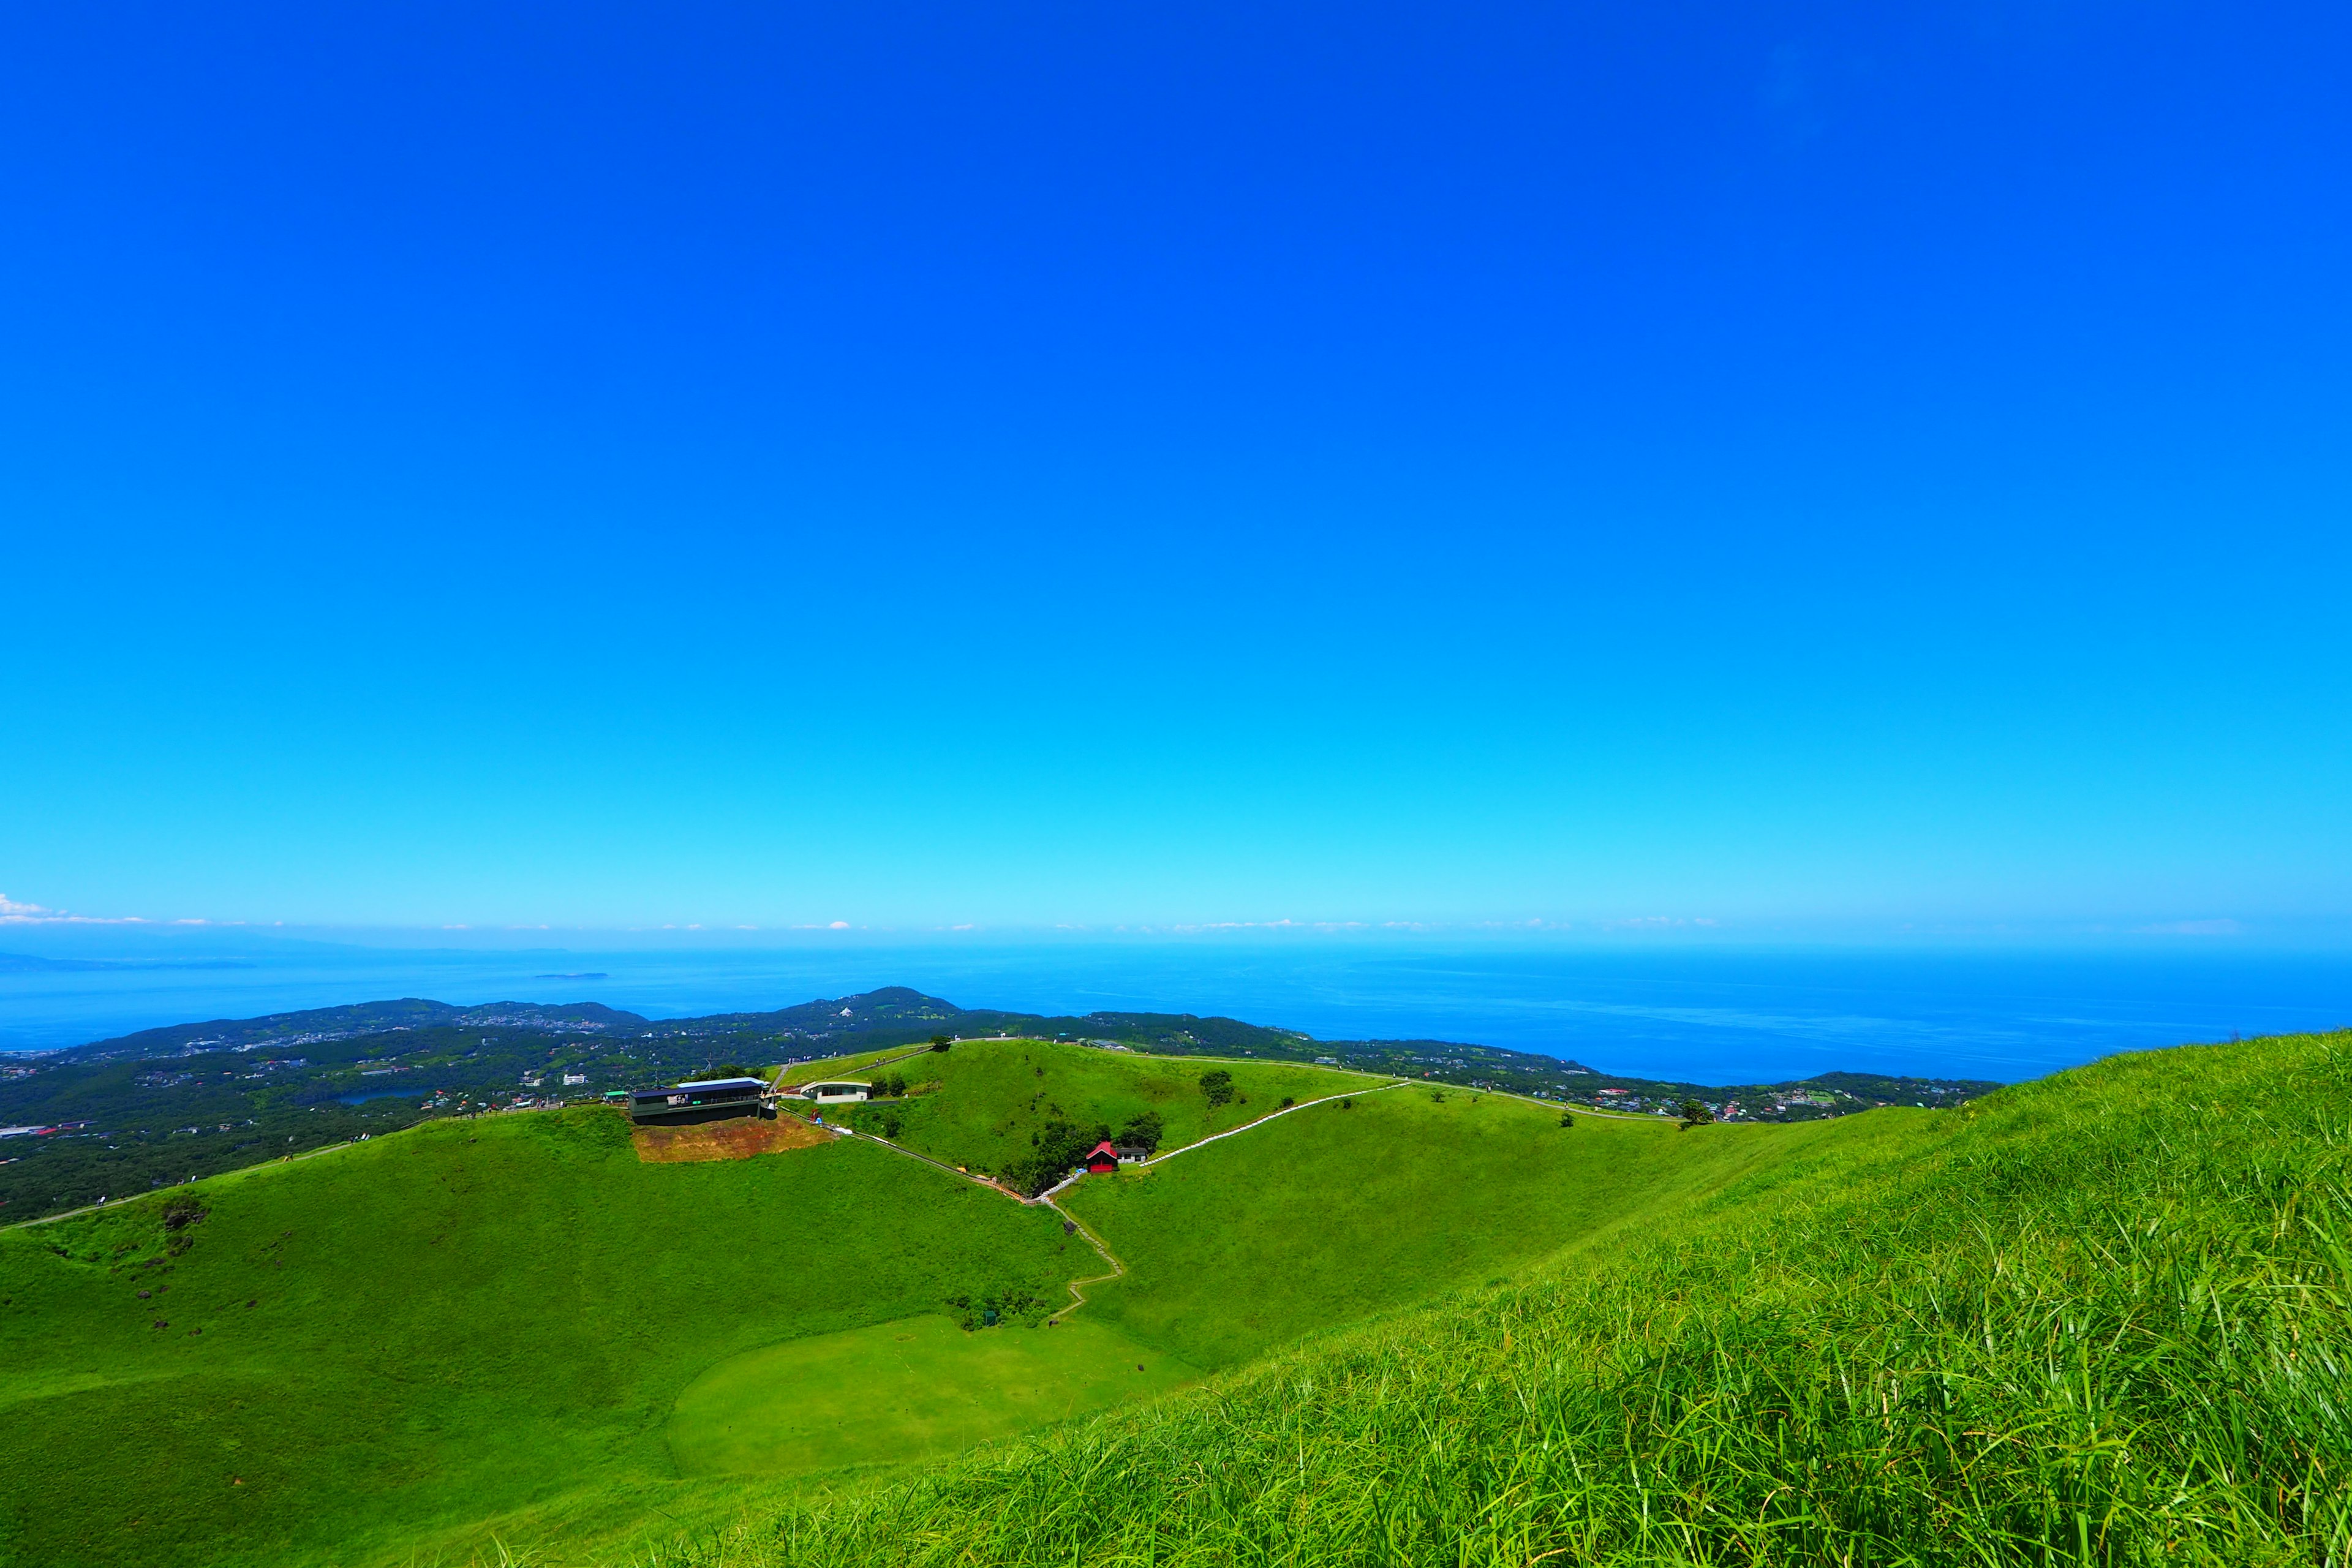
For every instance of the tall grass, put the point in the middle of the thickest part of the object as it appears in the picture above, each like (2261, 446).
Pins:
(2103, 1319)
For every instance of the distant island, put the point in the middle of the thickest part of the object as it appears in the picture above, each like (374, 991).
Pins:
(31, 964)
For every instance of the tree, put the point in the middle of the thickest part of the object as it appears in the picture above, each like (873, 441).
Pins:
(1567, 1119)
(1695, 1115)
(1218, 1085)
(940, 1042)
(1142, 1130)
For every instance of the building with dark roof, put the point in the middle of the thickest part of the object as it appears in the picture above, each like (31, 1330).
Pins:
(708, 1100)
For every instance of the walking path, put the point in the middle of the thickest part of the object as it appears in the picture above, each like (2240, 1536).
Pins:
(1078, 1226)
(1075, 1176)
(1078, 1297)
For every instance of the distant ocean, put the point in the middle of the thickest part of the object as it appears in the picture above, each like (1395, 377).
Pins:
(1714, 1015)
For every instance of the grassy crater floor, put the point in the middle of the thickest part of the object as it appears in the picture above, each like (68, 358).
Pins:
(903, 1391)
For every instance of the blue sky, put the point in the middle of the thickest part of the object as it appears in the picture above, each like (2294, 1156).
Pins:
(1802, 467)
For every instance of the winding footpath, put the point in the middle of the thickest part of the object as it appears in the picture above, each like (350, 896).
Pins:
(1078, 1227)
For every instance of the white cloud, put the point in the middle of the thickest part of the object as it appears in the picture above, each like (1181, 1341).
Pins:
(839, 925)
(12, 912)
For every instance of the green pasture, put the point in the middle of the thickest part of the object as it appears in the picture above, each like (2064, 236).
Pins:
(2102, 1318)
(905, 1390)
(378, 1346)
(1329, 1214)
(981, 1104)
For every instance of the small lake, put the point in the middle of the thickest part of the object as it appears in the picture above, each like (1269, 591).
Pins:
(365, 1095)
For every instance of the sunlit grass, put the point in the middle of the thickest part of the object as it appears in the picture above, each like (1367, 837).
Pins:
(2103, 1319)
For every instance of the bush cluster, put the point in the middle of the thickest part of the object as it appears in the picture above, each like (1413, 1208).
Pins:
(991, 1308)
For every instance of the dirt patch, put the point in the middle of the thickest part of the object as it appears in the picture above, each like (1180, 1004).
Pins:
(737, 1139)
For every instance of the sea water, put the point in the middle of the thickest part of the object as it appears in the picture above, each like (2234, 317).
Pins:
(1706, 1015)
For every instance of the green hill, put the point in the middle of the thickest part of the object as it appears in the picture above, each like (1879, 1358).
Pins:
(2101, 1319)
(986, 1104)
(1331, 1214)
(367, 1348)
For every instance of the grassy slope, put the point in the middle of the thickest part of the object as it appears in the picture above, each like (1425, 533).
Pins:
(462, 1320)
(2104, 1318)
(841, 1067)
(1330, 1214)
(991, 1095)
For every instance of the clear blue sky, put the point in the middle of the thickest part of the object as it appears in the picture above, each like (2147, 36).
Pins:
(1087, 463)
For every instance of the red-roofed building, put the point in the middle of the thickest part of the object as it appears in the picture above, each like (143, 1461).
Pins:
(1102, 1160)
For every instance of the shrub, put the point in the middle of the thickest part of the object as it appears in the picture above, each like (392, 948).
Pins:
(1060, 1148)
(1218, 1085)
(940, 1042)
(987, 1309)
